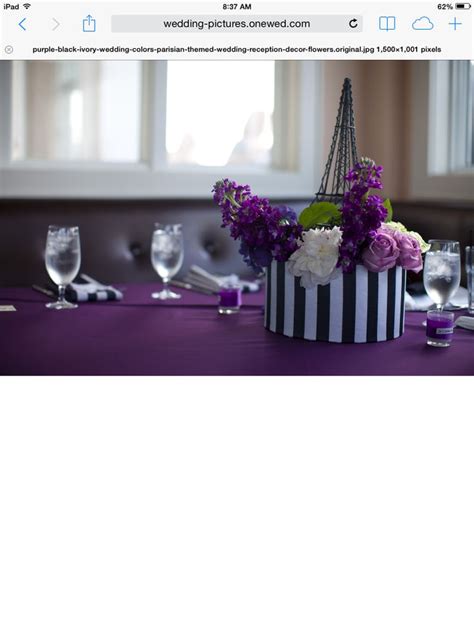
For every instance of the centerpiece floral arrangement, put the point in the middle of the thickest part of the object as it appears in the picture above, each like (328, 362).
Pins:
(327, 239)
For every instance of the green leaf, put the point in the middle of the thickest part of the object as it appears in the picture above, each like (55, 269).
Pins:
(388, 205)
(319, 213)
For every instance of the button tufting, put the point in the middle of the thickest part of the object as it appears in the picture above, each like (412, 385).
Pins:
(211, 248)
(136, 249)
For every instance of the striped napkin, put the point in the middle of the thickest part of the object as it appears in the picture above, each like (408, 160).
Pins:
(87, 289)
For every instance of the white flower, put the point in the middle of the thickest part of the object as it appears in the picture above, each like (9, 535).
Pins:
(316, 258)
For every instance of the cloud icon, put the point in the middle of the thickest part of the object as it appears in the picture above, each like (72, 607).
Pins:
(423, 24)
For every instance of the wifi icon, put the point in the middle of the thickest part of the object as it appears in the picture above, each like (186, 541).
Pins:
(27, 5)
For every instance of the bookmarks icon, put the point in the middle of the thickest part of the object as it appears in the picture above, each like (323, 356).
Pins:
(387, 23)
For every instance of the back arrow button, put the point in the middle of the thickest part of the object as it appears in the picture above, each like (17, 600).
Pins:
(20, 24)
(56, 24)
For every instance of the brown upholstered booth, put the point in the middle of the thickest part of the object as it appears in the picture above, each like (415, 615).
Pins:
(115, 234)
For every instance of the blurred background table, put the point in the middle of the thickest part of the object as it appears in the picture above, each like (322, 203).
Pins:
(140, 336)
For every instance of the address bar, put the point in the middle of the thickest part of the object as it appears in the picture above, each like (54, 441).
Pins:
(141, 23)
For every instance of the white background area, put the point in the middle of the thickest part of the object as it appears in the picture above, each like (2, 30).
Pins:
(179, 504)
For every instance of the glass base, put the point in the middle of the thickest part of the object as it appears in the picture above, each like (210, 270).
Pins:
(61, 304)
(449, 306)
(165, 294)
(438, 343)
(228, 310)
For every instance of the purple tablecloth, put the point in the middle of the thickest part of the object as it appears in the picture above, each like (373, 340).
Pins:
(140, 336)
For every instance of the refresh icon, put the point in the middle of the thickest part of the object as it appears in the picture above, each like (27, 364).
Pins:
(354, 23)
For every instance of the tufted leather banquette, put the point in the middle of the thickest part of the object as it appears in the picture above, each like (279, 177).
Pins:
(115, 235)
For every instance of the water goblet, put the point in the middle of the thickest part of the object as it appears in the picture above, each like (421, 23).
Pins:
(470, 278)
(62, 260)
(167, 253)
(442, 271)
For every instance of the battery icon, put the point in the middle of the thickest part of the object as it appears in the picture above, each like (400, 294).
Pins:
(463, 5)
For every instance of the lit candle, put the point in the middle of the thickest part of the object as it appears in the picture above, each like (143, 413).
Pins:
(439, 328)
(230, 298)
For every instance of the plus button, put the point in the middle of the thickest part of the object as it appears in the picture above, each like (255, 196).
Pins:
(455, 24)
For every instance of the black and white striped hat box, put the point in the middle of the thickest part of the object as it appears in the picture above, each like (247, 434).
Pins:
(359, 307)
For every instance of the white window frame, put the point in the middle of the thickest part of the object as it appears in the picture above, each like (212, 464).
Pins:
(152, 177)
(437, 141)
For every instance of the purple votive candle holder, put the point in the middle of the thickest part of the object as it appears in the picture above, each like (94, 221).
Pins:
(439, 328)
(230, 299)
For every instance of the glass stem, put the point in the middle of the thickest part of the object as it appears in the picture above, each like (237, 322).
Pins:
(166, 287)
(61, 292)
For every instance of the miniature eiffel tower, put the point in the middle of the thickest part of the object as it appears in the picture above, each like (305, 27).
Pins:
(343, 154)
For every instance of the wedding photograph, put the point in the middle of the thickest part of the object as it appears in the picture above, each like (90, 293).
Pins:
(236, 218)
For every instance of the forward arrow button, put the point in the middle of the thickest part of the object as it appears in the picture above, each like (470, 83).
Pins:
(56, 24)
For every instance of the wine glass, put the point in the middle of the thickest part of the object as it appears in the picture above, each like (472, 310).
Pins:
(442, 271)
(167, 256)
(63, 260)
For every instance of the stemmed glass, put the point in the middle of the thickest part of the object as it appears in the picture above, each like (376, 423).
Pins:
(63, 260)
(167, 256)
(442, 271)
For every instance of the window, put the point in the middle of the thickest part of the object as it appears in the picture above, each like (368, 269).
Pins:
(66, 111)
(158, 129)
(451, 114)
(441, 136)
(471, 113)
(221, 130)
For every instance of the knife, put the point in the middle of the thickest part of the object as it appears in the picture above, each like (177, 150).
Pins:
(198, 290)
(43, 290)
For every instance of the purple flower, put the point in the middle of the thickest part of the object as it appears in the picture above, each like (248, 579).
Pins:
(256, 258)
(265, 232)
(287, 213)
(382, 253)
(362, 212)
(410, 251)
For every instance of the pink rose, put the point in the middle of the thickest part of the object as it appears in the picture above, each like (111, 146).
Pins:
(382, 253)
(410, 252)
